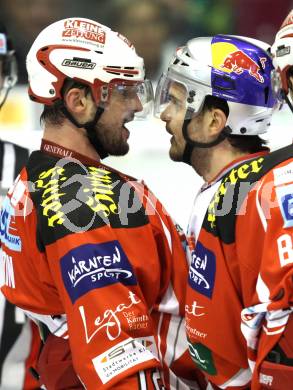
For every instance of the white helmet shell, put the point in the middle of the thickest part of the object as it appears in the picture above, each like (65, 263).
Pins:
(282, 52)
(83, 50)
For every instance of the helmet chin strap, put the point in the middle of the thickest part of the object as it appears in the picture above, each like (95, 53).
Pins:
(285, 97)
(190, 144)
(90, 129)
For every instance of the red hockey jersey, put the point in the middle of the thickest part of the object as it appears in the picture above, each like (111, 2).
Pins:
(92, 254)
(240, 290)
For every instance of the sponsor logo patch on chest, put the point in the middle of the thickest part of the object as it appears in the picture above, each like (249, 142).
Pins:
(202, 270)
(92, 266)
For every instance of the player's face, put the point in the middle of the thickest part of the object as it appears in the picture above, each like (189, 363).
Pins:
(173, 115)
(111, 130)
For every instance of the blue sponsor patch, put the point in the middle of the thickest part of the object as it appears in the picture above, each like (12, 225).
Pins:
(285, 200)
(92, 266)
(202, 270)
(8, 228)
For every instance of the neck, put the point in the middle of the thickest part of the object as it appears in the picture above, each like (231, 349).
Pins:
(71, 137)
(208, 163)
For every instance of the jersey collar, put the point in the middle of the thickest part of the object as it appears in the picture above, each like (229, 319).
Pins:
(60, 151)
(233, 164)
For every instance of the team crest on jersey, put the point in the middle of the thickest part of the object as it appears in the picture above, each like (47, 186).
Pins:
(92, 266)
(285, 200)
(202, 270)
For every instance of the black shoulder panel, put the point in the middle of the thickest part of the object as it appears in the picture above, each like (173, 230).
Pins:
(70, 197)
(235, 185)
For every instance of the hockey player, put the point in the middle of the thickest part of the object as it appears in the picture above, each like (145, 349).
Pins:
(282, 52)
(95, 254)
(216, 101)
(19, 338)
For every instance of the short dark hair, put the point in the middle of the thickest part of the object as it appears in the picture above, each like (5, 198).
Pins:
(53, 113)
(245, 143)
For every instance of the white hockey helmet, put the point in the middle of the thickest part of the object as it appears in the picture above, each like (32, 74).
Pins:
(282, 53)
(234, 68)
(88, 52)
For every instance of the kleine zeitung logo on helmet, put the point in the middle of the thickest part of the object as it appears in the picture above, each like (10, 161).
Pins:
(75, 28)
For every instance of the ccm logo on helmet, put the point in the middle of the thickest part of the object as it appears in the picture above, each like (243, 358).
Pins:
(79, 63)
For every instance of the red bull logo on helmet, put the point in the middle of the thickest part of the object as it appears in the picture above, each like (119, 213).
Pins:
(229, 58)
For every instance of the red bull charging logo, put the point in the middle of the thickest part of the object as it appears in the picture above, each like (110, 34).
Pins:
(228, 58)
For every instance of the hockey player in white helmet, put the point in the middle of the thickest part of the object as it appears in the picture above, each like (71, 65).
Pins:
(95, 255)
(282, 52)
(216, 100)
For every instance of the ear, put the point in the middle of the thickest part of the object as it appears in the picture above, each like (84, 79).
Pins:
(75, 100)
(217, 121)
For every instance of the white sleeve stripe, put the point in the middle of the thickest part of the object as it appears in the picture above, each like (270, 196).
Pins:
(169, 303)
(168, 235)
(8, 165)
(241, 378)
(142, 380)
(172, 339)
(262, 290)
(159, 336)
(268, 332)
(260, 210)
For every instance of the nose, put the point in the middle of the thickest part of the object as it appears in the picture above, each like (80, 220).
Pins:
(165, 115)
(137, 105)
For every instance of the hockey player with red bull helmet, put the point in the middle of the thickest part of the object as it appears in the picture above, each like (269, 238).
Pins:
(216, 100)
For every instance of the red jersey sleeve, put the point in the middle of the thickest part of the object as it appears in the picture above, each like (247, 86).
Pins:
(268, 292)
